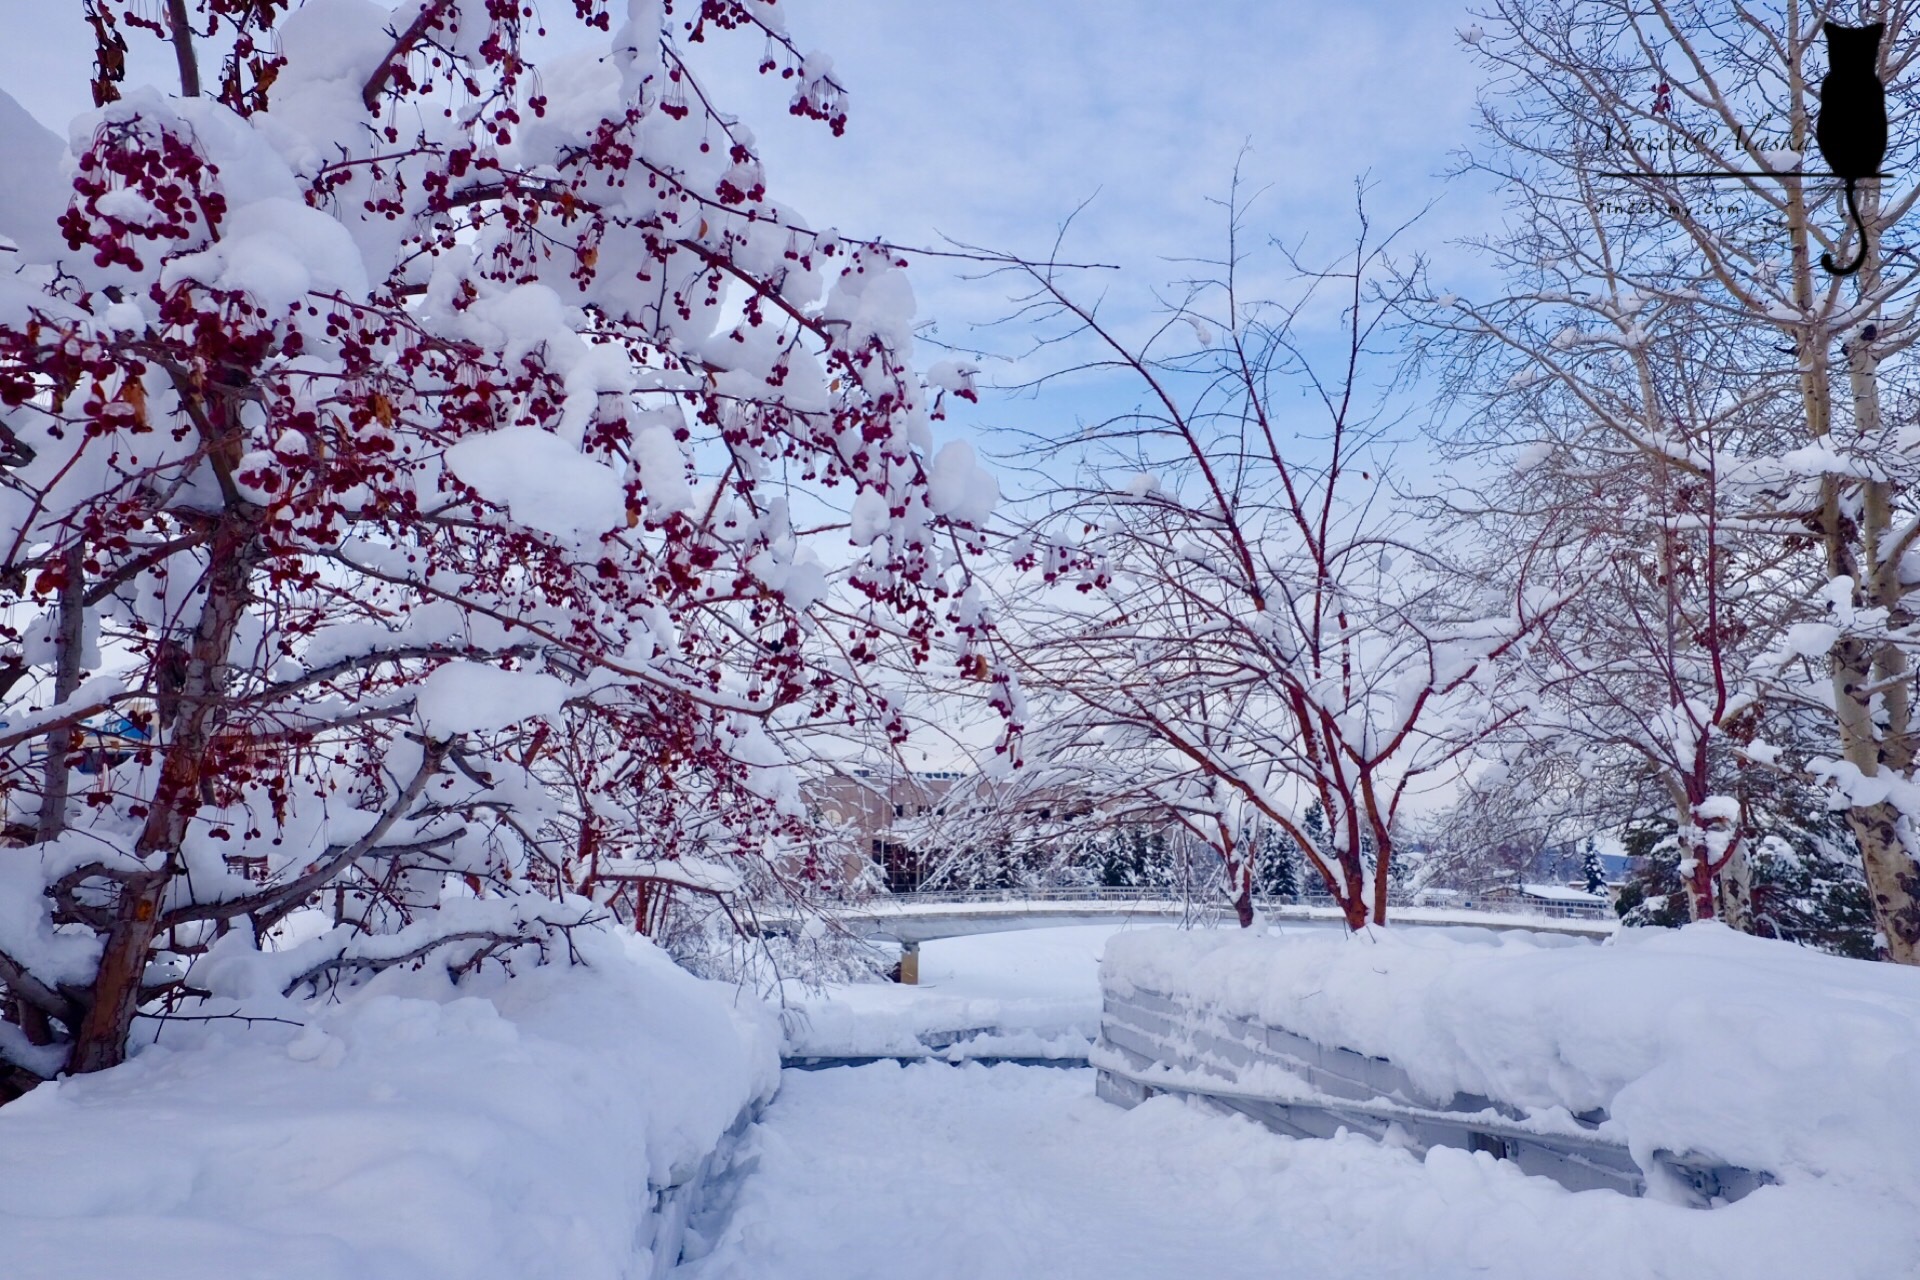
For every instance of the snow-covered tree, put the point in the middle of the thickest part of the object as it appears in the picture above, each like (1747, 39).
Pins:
(1653, 660)
(1237, 617)
(1807, 886)
(1593, 872)
(1807, 881)
(422, 432)
(1276, 872)
(1134, 856)
(1611, 219)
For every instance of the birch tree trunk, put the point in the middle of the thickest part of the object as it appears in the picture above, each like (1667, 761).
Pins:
(1872, 700)
(70, 641)
(1735, 888)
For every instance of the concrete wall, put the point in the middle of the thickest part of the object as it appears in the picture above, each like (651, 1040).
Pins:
(1150, 1043)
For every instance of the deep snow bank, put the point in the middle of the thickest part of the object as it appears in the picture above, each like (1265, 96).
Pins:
(1759, 1053)
(510, 1129)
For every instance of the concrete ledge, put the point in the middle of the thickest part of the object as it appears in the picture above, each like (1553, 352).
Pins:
(1150, 1044)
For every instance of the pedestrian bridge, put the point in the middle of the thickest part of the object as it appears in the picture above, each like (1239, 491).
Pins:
(910, 919)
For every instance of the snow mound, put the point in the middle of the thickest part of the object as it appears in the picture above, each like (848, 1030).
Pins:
(1031, 994)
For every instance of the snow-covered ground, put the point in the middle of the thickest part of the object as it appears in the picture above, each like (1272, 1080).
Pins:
(944, 1172)
(511, 1130)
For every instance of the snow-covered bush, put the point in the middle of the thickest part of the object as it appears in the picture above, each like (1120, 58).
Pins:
(417, 430)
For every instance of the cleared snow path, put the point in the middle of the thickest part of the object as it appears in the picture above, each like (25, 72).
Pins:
(971, 1172)
(930, 1170)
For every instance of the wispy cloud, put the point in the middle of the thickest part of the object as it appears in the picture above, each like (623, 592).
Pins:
(990, 121)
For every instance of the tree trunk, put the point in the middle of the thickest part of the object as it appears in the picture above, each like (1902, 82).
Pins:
(69, 644)
(1237, 856)
(1893, 879)
(1353, 903)
(1382, 877)
(1871, 684)
(1699, 882)
(101, 1041)
(1735, 885)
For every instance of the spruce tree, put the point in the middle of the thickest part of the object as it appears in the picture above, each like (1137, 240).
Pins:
(1593, 870)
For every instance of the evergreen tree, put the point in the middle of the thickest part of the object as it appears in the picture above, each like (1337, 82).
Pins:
(1314, 823)
(1113, 866)
(1593, 870)
(1276, 874)
(1134, 857)
(1807, 883)
(1653, 895)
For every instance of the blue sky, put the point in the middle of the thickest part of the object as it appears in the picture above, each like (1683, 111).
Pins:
(991, 121)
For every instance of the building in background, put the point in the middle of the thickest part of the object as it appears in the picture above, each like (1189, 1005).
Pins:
(949, 829)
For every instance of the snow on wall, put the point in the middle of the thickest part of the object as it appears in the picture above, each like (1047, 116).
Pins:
(1761, 1054)
(509, 1129)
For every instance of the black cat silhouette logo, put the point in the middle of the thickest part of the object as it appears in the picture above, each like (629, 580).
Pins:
(1851, 128)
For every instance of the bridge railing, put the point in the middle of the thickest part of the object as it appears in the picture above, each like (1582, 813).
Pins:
(1134, 893)
(1551, 910)
(1049, 893)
